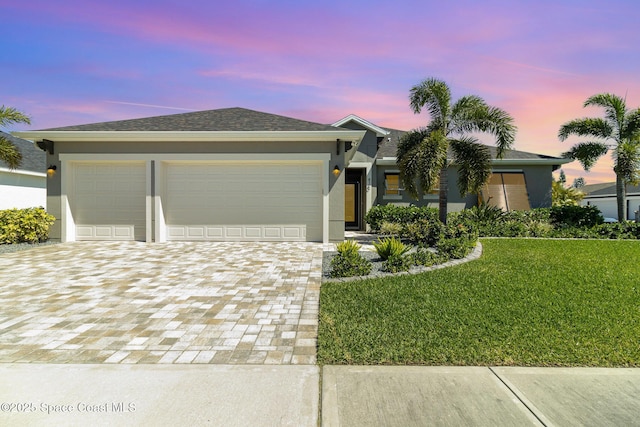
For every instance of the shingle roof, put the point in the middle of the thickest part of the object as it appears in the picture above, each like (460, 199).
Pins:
(389, 147)
(33, 159)
(221, 120)
(607, 189)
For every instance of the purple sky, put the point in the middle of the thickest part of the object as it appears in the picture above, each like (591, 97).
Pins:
(80, 61)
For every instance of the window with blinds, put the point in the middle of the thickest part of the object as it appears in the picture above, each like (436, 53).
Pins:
(507, 190)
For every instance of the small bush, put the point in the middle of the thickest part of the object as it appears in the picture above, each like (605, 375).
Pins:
(425, 258)
(348, 262)
(576, 216)
(457, 241)
(30, 225)
(424, 232)
(392, 247)
(396, 263)
(391, 228)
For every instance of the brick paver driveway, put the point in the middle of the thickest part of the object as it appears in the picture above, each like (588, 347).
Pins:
(178, 302)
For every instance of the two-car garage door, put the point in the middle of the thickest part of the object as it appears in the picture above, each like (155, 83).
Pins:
(279, 201)
(243, 201)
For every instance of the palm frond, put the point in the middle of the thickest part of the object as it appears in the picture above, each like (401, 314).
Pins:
(614, 106)
(631, 128)
(473, 114)
(591, 127)
(587, 153)
(9, 115)
(474, 164)
(9, 153)
(433, 94)
(421, 155)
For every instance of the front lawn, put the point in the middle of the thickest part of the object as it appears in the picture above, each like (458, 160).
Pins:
(525, 303)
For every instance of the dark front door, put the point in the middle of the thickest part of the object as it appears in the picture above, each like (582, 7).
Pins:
(353, 200)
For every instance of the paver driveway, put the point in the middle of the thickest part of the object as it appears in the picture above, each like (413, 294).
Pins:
(178, 302)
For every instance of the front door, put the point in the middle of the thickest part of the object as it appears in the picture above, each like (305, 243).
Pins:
(353, 200)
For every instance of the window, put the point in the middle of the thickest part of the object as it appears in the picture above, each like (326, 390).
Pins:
(507, 190)
(392, 184)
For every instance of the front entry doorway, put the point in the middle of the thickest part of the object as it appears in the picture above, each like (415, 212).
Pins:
(353, 200)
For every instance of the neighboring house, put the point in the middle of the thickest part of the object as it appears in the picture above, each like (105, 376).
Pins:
(25, 186)
(237, 174)
(604, 197)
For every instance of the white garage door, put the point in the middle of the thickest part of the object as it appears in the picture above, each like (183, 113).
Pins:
(108, 200)
(258, 201)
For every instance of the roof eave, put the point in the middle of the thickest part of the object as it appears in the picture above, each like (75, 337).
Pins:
(193, 136)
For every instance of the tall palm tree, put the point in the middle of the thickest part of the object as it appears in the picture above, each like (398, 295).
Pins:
(618, 132)
(422, 153)
(8, 152)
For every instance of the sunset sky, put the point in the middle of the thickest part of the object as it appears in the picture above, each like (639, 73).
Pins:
(80, 61)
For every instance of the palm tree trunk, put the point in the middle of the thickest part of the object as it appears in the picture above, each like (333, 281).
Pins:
(621, 196)
(444, 194)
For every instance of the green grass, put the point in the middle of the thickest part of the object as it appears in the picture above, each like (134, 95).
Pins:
(524, 303)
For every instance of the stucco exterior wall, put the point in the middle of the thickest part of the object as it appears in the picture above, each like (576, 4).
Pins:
(538, 180)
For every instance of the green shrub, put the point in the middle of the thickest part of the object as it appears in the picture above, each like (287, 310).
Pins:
(391, 228)
(348, 248)
(348, 262)
(379, 214)
(396, 263)
(423, 232)
(425, 258)
(456, 241)
(30, 225)
(390, 247)
(576, 216)
(619, 230)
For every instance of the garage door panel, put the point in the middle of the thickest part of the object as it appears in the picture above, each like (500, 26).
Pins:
(243, 201)
(108, 200)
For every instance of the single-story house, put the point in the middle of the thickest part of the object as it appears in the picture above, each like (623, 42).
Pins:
(238, 174)
(603, 196)
(25, 186)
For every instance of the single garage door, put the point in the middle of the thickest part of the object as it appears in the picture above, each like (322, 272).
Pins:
(108, 200)
(260, 201)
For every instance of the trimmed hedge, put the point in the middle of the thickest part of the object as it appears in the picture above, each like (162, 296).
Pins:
(380, 214)
(421, 227)
(30, 225)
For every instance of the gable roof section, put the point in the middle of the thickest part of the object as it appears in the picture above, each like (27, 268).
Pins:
(33, 159)
(362, 122)
(226, 124)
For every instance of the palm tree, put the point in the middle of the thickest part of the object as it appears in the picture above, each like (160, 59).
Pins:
(422, 153)
(618, 132)
(8, 152)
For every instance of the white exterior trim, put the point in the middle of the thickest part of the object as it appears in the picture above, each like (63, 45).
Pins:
(362, 122)
(24, 172)
(191, 136)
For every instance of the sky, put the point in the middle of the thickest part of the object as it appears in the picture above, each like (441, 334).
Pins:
(69, 62)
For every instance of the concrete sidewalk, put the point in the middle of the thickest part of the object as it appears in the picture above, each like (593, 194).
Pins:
(289, 395)
(479, 396)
